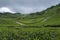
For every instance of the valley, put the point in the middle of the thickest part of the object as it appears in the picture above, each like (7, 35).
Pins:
(44, 25)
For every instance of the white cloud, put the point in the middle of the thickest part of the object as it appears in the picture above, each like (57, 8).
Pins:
(6, 9)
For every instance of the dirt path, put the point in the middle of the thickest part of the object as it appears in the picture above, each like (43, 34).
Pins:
(20, 23)
(47, 18)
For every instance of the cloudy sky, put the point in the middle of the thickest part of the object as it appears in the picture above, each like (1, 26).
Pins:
(26, 6)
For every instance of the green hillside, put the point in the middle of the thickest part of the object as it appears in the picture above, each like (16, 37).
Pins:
(9, 19)
(44, 25)
(50, 16)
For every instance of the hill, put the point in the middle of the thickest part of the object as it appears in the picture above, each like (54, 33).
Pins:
(9, 19)
(43, 25)
(50, 16)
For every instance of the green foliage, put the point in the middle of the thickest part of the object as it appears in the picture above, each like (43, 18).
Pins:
(37, 34)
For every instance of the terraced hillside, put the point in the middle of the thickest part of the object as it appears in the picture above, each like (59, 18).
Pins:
(8, 19)
(50, 16)
(43, 25)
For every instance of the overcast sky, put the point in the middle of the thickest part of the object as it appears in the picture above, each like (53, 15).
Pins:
(27, 6)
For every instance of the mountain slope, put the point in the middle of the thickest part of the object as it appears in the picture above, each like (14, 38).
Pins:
(50, 16)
